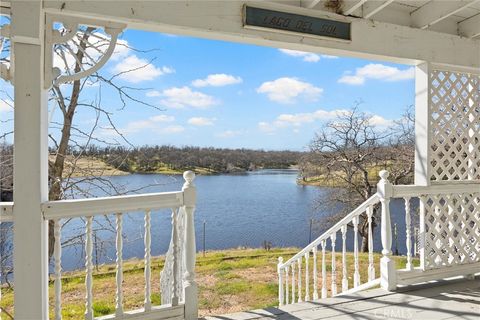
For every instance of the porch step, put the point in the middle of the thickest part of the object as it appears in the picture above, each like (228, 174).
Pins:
(443, 300)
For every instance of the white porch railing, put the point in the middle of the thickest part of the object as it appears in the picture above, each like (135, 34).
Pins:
(449, 230)
(449, 242)
(181, 291)
(288, 293)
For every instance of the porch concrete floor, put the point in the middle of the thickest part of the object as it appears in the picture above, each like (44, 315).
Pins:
(458, 299)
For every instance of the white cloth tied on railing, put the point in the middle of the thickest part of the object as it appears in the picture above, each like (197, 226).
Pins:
(167, 274)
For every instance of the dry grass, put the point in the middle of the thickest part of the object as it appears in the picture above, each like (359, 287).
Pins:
(229, 281)
(87, 166)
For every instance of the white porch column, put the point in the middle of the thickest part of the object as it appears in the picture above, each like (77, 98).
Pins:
(422, 125)
(30, 162)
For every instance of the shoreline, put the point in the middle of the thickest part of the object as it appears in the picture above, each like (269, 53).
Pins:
(97, 167)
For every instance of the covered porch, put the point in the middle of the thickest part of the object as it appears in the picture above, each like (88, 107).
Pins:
(455, 299)
(439, 38)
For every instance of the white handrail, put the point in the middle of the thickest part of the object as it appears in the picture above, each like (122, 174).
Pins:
(107, 205)
(315, 243)
(179, 275)
(401, 191)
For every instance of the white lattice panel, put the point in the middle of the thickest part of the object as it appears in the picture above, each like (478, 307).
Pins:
(452, 230)
(455, 126)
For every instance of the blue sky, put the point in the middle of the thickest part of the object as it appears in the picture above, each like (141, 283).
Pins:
(221, 94)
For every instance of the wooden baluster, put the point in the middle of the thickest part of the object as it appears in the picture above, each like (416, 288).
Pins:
(299, 262)
(287, 295)
(333, 237)
(293, 282)
(344, 259)
(175, 256)
(409, 265)
(89, 270)
(190, 288)
(57, 254)
(356, 275)
(371, 265)
(421, 232)
(147, 304)
(315, 276)
(0, 281)
(280, 281)
(307, 277)
(415, 241)
(387, 265)
(324, 271)
(119, 267)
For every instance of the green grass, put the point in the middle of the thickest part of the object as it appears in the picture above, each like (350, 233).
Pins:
(228, 280)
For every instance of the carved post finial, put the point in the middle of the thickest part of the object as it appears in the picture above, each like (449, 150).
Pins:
(189, 176)
(384, 174)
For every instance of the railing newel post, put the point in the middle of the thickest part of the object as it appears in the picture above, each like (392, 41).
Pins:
(190, 288)
(387, 265)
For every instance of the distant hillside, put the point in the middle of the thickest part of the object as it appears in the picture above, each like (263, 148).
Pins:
(170, 159)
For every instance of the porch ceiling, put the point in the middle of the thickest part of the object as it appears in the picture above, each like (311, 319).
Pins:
(458, 17)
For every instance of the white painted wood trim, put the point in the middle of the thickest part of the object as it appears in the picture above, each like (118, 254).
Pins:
(334, 265)
(403, 191)
(470, 28)
(119, 266)
(417, 275)
(108, 205)
(57, 254)
(307, 277)
(337, 227)
(367, 285)
(422, 125)
(148, 262)
(6, 211)
(30, 258)
(157, 313)
(223, 20)
(88, 269)
(299, 262)
(435, 11)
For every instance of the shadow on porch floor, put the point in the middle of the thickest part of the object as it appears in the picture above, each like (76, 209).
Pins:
(459, 299)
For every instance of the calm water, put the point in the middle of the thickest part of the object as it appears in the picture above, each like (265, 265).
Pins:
(238, 210)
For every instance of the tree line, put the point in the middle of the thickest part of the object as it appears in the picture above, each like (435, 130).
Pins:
(218, 160)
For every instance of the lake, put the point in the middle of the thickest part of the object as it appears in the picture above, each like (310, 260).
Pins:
(242, 210)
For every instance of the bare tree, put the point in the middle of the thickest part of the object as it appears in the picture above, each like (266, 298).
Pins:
(347, 154)
(69, 140)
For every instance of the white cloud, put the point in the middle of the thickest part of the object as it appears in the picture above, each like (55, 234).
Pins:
(286, 90)
(199, 121)
(6, 105)
(170, 129)
(135, 70)
(379, 121)
(306, 56)
(217, 80)
(230, 134)
(377, 71)
(151, 123)
(153, 93)
(184, 97)
(296, 120)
